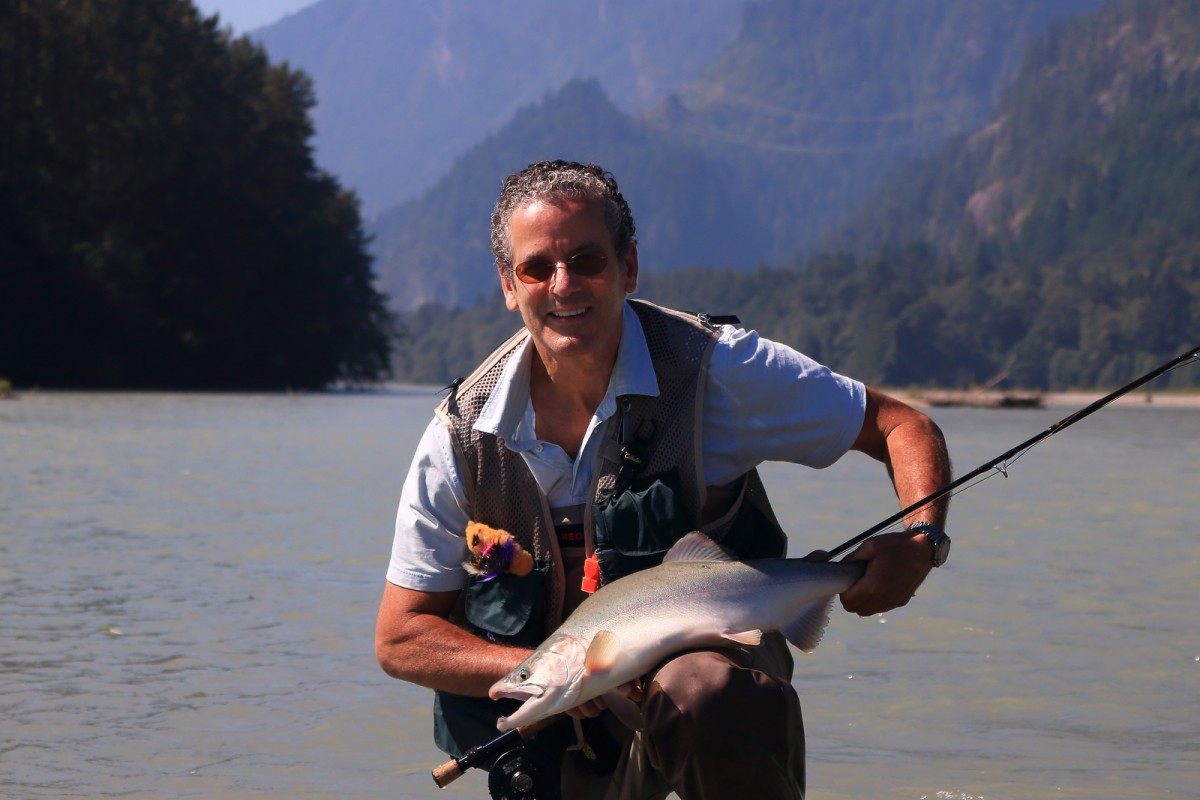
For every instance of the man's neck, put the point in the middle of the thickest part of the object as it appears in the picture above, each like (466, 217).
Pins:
(565, 400)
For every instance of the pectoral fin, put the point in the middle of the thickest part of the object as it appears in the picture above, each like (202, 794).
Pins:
(806, 629)
(624, 709)
(752, 638)
(602, 653)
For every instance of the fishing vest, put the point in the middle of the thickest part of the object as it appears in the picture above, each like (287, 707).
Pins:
(648, 491)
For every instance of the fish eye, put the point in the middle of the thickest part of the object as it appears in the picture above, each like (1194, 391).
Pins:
(523, 674)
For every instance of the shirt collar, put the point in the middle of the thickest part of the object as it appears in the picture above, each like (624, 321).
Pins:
(506, 406)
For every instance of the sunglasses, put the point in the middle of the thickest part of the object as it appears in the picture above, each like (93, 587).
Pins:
(539, 270)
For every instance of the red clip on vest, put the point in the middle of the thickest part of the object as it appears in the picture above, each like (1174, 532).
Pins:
(591, 574)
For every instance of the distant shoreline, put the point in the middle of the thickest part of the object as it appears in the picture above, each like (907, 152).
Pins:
(1081, 399)
(1186, 399)
(1163, 399)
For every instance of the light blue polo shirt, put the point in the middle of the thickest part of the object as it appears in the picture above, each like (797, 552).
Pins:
(763, 401)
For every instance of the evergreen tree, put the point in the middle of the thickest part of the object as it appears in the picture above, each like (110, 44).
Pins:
(163, 221)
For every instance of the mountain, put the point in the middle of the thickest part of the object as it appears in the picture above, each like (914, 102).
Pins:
(804, 112)
(436, 248)
(1057, 244)
(405, 86)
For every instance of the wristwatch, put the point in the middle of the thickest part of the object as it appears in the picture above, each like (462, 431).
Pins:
(941, 542)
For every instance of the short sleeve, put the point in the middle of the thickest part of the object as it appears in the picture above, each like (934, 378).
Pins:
(430, 545)
(764, 401)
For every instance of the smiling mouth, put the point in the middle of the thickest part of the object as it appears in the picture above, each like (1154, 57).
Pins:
(568, 314)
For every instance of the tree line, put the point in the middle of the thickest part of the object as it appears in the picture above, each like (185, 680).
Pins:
(908, 317)
(163, 223)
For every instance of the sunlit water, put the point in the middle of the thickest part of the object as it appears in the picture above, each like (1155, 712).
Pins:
(188, 585)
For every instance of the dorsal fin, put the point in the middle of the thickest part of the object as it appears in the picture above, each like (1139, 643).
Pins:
(698, 547)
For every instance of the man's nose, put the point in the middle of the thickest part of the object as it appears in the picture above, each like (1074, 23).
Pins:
(562, 278)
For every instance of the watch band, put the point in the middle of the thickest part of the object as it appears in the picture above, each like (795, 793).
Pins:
(939, 538)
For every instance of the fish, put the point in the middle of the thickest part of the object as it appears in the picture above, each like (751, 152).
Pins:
(699, 596)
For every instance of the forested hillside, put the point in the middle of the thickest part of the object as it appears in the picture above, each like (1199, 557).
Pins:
(1059, 242)
(776, 141)
(1090, 134)
(1082, 194)
(162, 223)
(815, 102)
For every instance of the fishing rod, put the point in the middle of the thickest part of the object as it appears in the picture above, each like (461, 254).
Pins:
(1062, 424)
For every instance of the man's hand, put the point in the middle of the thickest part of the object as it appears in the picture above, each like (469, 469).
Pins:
(897, 564)
(593, 707)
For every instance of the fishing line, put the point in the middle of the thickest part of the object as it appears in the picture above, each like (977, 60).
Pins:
(1001, 463)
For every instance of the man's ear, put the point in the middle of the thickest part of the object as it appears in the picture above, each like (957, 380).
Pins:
(631, 269)
(510, 294)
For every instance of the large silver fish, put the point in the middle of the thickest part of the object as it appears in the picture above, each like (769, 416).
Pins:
(698, 597)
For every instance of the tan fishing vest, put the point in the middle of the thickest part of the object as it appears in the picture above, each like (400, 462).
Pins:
(502, 491)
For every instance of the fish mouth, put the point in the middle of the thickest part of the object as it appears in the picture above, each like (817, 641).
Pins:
(532, 701)
(525, 692)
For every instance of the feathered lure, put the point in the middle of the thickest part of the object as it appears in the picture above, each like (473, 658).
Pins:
(495, 552)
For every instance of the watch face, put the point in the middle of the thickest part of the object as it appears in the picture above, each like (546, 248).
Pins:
(941, 549)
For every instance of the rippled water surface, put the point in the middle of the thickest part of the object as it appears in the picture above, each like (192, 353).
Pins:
(189, 583)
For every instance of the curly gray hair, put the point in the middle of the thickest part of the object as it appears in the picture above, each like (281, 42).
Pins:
(550, 179)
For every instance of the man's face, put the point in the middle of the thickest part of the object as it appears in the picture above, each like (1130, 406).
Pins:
(570, 316)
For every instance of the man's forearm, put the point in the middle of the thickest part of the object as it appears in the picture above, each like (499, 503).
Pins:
(920, 465)
(418, 646)
(912, 448)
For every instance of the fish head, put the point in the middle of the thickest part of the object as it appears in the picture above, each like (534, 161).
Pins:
(548, 681)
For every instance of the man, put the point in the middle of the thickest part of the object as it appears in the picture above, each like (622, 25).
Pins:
(598, 436)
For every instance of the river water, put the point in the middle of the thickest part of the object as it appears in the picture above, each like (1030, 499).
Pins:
(188, 586)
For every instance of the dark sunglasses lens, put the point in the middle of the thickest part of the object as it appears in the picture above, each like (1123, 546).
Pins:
(585, 264)
(588, 264)
(535, 271)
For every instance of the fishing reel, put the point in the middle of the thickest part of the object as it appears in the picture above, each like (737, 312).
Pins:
(524, 773)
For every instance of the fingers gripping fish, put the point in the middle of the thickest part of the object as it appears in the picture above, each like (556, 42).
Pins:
(698, 597)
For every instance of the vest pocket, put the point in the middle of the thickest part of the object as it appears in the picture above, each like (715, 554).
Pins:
(744, 528)
(635, 528)
(509, 606)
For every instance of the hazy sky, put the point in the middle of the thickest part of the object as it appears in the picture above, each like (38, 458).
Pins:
(246, 15)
